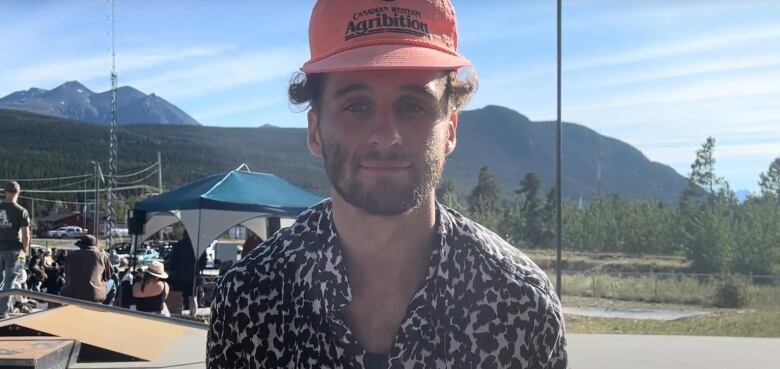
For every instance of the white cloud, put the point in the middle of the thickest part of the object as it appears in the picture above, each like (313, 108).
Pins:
(770, 149)
(716, 88)
(209, 115)
(53, 73)
(725, 63)
(216, 75)
(670, 48)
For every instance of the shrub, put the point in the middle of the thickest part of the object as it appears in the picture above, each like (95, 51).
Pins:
(732, 292)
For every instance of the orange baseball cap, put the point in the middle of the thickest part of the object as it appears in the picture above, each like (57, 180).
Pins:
(349, 35)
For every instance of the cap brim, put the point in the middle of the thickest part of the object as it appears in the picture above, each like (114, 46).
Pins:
(386, 57)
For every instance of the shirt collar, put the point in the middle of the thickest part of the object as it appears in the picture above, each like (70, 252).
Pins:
(330, 281)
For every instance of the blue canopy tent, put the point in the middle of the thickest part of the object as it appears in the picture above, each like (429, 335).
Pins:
(211, 205)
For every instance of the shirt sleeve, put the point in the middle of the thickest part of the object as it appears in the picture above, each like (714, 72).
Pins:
(25, 219)
(550, 338)
(222, 347)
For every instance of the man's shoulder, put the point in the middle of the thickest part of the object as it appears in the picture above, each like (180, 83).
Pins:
(12, 205)
(273, 259)
(493, 255)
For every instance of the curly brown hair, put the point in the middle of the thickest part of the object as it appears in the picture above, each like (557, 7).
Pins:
(305, 90)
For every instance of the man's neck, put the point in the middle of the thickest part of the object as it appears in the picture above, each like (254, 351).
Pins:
(386, 238)
(387, 260)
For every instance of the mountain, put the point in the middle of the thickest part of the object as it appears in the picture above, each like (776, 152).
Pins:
(506, 141)
(74, 101)
(512, 145)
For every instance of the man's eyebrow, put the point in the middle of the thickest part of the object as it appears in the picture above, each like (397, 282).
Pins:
(351, 88)
(417, 89)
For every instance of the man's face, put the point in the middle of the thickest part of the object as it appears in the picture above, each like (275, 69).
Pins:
(383, 136)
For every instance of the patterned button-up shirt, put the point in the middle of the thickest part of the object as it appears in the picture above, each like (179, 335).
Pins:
(484, 304)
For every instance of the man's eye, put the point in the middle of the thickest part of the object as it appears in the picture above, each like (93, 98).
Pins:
(411, 108)
(356, 107)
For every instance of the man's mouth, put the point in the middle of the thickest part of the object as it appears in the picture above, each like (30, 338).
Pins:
(384, 166)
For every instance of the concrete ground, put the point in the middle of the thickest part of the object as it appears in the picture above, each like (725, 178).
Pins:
(605, 351)
(622, 313)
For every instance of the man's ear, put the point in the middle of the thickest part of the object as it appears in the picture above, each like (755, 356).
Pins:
(315, 145)
(452, 133)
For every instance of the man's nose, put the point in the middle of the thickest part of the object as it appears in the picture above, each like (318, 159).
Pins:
(385, 133)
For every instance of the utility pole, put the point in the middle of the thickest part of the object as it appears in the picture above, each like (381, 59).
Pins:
(32, 213)
(558, 179)
(159, 172)
(84, 213)
(96, 218)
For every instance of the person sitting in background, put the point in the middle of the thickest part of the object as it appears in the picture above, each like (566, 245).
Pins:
(53, 282)
(252, 241)
(86, 272)
(48, 259)
(151, 291)
(61, 256)
(37, 271)
(125, 284)
(113, 257)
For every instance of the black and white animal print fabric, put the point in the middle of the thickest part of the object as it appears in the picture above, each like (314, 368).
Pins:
(484, 304)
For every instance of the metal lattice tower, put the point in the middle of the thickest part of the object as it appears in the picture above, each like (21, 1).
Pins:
(112, 159)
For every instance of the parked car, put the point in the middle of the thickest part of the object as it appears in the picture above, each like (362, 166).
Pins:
(66, 232)
(120, 232)
(145, 254)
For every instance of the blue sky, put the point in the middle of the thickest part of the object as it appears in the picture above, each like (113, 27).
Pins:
(661, 75)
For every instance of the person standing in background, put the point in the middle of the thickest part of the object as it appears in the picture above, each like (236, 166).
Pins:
(14, 239)
(180, 264)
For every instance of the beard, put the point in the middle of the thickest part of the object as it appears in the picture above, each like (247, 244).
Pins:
(385, 196)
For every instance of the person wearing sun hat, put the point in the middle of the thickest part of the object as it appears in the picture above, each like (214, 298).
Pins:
(151, 291)
(381, 275)
(86, 271)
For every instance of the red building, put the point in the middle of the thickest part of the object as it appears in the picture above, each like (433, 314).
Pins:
(55, 221)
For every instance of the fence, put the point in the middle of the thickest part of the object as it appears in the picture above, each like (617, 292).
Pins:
(688, 288)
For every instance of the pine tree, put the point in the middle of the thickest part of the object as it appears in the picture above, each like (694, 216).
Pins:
(707, 215)
(484, 197)
(770, 181)
(531, 211)
(484, 200)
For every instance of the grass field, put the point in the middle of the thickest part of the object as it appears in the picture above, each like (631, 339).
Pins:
(718, 322)
(682, 289)
(658, 282)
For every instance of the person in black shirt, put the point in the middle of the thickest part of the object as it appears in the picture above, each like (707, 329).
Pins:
(14, 239)
(180, 264)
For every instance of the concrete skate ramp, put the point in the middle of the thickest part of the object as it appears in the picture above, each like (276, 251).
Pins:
(146, 339)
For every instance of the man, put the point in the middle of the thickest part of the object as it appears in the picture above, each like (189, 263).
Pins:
(14, 239)
(86, 272)
(380, 275)
(180, 264)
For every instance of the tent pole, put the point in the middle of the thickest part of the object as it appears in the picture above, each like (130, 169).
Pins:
(194, 275)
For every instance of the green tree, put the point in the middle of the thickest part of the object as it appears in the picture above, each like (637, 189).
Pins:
(484, 200)
(445, 193)
(707, 215)
(703, 167)
(770, 180)
(533, 227)
(758, 237)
